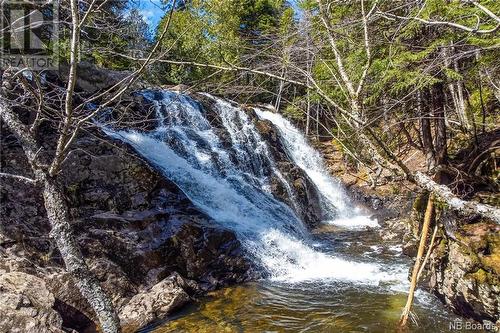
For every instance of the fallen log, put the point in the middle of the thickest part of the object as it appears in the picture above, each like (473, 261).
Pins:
(444, 194)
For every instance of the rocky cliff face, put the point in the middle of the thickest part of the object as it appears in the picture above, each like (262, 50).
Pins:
(464, 267)
(464, 270)
(149, 246)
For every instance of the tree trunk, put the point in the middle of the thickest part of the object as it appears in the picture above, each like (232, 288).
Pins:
(426, 132)
(456, 89)
(317, 121)
(280, 91)
(87, 284)
(308, 113)
(455, 203)
(440, 144)
(462, 110)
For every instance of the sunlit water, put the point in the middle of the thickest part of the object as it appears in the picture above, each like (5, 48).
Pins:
(330, 280)
(318, 306)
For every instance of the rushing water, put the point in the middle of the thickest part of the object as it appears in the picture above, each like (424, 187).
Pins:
(314, 275)
(315, 306)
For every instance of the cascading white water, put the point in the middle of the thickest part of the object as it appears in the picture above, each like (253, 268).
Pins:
(337, 205)
(231, 185)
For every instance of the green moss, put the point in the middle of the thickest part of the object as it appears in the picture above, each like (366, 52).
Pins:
(420, 202)
(482, 276)
(442, 247)
(480, 242)
(418, 212)
(440, 206)
(491, 260)
(71, 189)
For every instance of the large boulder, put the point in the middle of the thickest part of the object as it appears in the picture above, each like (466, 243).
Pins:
(27, 305)
(154, 303)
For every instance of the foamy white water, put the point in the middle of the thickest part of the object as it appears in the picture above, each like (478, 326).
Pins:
(231, 185)
(334, 200)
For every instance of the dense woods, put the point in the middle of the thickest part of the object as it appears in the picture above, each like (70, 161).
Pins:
(408, 92)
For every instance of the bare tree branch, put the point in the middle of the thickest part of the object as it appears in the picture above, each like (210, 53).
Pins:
(18, 178)
(441, 23)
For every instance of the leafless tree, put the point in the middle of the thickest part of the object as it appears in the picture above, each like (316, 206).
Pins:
(69, 118)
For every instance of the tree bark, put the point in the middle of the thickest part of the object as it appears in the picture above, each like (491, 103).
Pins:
(88, 285)
(445, 195)
(426, 132)
(308, 113)
(280, 91)
(456, 89)
(440, 144)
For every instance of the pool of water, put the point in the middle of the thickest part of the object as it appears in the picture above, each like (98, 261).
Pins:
(320, 305)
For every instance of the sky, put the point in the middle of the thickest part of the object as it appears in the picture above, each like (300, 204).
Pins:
(152, 11)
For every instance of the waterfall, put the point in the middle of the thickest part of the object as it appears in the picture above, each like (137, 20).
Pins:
(229, 181)
(339, 209)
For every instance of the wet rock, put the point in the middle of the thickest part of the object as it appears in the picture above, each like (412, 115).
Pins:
(212, 257)
(266, 129)
(26, 305)
(304, 198)
(154, 303)
(134, 227)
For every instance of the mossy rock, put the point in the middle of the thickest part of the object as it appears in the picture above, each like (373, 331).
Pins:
(482, 276)
(491, 260)
(481, 241)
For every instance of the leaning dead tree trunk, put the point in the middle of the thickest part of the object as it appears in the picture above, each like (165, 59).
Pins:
(416, 268)
(57, 213)
(465, 207)
(86, 282)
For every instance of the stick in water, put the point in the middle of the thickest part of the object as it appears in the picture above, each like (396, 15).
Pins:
(416, 267)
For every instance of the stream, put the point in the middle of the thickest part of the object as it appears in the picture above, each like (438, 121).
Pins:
(318, 305)
(339, 277)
